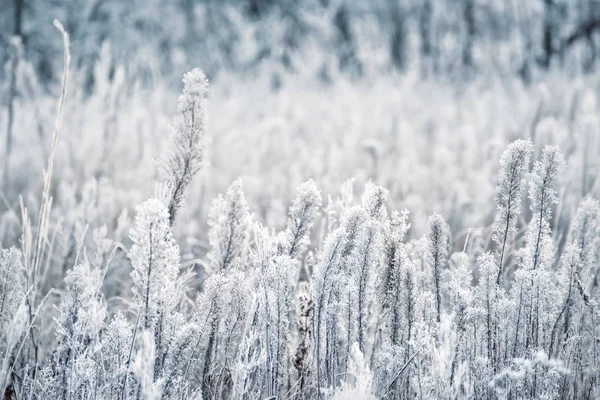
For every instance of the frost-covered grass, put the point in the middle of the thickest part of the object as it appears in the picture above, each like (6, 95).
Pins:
(305, 278)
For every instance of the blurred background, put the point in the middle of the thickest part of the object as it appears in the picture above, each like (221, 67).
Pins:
(457, 39)
(420, 96)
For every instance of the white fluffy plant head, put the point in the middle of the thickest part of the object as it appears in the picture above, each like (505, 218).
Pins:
(438, 240)
(514, 165)
(542, 195)
(374, 200)
(327, 269)
(303, 213)
(544, 175)
(488, 268)
(188, 141)
(229, 222)
(155, 260)
(358, 383)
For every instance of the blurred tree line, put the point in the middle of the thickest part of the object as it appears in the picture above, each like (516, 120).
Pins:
(455, 38)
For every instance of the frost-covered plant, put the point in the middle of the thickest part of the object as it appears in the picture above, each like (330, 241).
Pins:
(513, 168)
(542, 196)
(391, 280)
(363, 264)
(460, 297)
(187, 144)
(210, 306)
(224, 309)
(578, 260)
(534, 291)
(115, 347)
(345, 295)
(155, 261)
(327, 271)
(158, 296)
(82, 314)
(585, 234)
(229, 223)
(575, 313)
(178, 350)
(487, 297)
(438, 243)
(302, 215)
(280, 278)
(374, 200)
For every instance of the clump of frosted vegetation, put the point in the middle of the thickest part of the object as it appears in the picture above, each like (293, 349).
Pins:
(340, 298)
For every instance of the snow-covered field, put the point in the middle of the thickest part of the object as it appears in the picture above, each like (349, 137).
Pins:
(389, 237)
